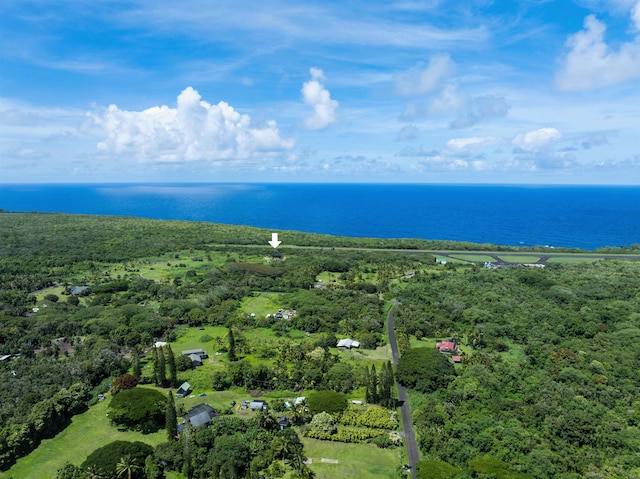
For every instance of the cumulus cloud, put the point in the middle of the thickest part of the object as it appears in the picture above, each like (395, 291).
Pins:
(425, 79)
(591, 63)
(193, 131)
(537, 140)
(317, 96)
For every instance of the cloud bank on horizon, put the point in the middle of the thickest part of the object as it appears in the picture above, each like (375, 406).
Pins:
(529, 92)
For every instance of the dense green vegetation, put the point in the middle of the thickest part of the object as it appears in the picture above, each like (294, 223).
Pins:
(547, 387)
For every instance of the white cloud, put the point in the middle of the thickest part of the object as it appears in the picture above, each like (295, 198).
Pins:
(194, 130)
(537, 140)
(472, 142)
(317, 96)
(591, 63)
(421, 80)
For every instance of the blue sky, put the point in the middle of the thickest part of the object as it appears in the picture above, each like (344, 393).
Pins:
(320, 91)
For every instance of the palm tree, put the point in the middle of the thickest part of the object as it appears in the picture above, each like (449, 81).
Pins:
(127, 467)
(94, 473)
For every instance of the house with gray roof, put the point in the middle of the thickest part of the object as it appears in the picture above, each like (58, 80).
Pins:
(198, 416)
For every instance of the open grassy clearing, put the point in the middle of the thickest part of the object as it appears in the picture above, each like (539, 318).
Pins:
(364, 461)
(570, 260)
(519, 259)
(261, 305)
(473, 258)
(86, 433)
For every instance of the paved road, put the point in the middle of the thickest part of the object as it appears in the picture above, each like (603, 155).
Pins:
(409, 434)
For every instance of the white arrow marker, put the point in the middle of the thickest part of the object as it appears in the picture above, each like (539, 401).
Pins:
(274, 240)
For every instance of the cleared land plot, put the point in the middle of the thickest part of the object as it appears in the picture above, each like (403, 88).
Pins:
(363, 461)
(261, 305)
(474, 258)
(86, 433)
(519, 259)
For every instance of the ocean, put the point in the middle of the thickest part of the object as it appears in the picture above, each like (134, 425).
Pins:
(586, 217)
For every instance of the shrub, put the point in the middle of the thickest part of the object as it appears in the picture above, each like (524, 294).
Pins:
(327, 401)
(372, 416)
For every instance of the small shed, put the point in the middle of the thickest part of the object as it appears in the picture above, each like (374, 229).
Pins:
(183, 390)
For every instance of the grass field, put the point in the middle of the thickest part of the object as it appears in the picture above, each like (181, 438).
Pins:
(364, 461)
(86, 433)
(519, 259)
(473, 258)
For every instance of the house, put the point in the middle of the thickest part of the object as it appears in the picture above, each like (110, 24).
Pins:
(183, 390)
(283, 422)
(447, 346)
(77, 290)
(456, 359)
(258, 405)
(196, 360)
(198, 416)
(196, 356)
(347, 344)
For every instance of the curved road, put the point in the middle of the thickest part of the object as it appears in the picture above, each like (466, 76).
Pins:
(409, 434)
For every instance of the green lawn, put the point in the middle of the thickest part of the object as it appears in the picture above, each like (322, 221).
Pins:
(519, 259)
(86, 433)
(364, 461)
(261, 305)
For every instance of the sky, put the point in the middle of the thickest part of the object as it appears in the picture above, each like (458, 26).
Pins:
(431, 91)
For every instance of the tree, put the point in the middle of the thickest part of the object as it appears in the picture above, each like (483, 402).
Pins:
(137, 372)
(435, 469)
(373, 377)
(123, 382)
(425, 369)
(140, 409)
(128, 467)
(171, 420)
(105, 459)
(231, 354)
(327, 401)
(367, 385)
(171, 363)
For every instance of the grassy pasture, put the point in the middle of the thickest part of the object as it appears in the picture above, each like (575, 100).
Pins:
(364, 461)
(86, 433)
(475, 258)
(519, 259)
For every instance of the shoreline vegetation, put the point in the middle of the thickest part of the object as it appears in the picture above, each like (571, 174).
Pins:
(536, 360)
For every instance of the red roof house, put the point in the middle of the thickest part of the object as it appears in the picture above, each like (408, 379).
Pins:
(446, 346)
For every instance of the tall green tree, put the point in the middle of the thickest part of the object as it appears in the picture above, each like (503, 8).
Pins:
(373, 378)
(171, 363)
(171, 419)
(232, 347)
(137, 372)
(367, 385)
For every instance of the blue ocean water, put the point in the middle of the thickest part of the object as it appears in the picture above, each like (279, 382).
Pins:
(585, 217)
